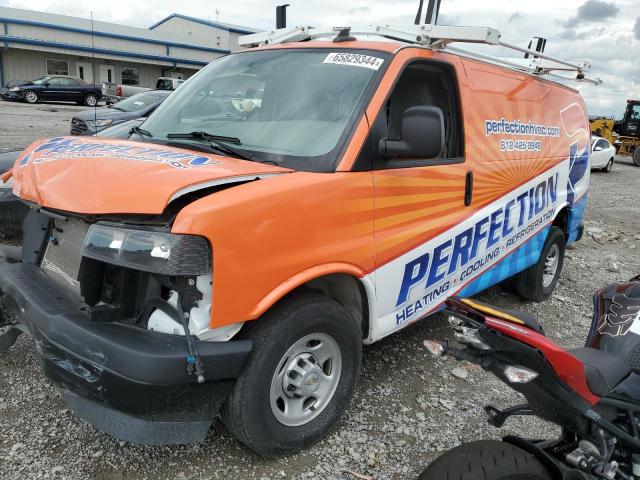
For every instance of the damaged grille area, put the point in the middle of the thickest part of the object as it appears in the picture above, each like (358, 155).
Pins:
(78, 127)
(63, 253)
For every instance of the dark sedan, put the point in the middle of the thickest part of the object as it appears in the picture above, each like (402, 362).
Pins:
(59, 88)
(141, 105)
(7, 94)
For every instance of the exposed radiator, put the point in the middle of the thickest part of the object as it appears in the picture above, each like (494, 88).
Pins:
(63, 255)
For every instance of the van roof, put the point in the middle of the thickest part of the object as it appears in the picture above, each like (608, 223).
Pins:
(393, 47)
(391, 38)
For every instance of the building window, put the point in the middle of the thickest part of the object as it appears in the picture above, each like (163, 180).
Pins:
(57, 67)
(130, 76)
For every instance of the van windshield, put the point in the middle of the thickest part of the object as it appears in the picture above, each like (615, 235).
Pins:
(295, 108)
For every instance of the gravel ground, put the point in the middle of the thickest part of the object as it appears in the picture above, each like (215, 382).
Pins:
(21, 123)
(408, 408)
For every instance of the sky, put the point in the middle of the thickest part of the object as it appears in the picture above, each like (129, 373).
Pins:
(605, 33)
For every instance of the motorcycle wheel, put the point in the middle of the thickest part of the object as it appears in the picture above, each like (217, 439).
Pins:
(486, 460)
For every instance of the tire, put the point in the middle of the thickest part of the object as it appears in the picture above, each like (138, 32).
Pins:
(636, 156)
(486, 460)
(31, 97)
(90, 100)
(255, 410)
(535, 283)
(609, 166)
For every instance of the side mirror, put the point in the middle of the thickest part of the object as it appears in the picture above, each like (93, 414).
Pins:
(597, 149)
(421, 136)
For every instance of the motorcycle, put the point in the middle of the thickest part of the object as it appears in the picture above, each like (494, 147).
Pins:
(592, 393)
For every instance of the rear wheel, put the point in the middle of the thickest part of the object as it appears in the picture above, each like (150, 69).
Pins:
(486, 460)
(90, 100)
(636, 156)
(299, 378)
(31, 97)
(609, 166)
(538, 281)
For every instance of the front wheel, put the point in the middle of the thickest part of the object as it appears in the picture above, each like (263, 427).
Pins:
(609, 166)
(299, 378)
(636, 156)
(486, 460)
(91, 100)
(538, 281)
(31, 97)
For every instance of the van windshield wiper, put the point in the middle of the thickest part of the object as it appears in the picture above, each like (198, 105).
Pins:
(219, 142)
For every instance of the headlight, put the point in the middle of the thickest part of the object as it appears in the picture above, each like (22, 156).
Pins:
(100, 123)
(14, 89)
(148, 250)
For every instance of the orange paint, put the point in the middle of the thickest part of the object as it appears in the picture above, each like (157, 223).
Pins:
(272, 235)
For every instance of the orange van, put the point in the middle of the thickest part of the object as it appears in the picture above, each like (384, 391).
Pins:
(286, 205)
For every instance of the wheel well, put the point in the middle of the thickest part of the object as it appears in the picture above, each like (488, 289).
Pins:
(562, 221)
(346, 290)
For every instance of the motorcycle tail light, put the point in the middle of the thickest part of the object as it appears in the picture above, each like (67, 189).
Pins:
(471, 337)
(519, 374)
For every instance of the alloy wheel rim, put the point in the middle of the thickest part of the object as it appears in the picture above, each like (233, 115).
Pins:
(305, 380)
(31, 97)
(91, 101)
(551, 265)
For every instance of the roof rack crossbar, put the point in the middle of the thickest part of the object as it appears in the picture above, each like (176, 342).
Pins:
(533, 66)
(437, 37)
(536, 54)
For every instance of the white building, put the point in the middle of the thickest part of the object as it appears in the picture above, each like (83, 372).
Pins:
(33, 44)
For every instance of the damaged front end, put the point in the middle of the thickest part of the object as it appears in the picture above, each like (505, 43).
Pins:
(120, 313)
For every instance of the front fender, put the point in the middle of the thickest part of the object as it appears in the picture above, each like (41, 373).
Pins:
(313, 273)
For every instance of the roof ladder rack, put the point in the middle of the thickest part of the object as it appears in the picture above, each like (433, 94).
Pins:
(436, 37)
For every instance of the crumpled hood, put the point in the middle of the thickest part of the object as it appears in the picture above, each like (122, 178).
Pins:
(106, 176)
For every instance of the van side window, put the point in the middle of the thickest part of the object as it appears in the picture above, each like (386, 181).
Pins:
(422, 83)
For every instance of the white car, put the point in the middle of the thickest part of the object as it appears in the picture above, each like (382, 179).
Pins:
(603, 154)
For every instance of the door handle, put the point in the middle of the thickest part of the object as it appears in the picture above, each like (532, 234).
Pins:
(468, 189)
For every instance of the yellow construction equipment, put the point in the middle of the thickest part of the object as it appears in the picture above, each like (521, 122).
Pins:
(624, 134)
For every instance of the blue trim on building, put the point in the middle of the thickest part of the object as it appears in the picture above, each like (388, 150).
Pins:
(5, 45)
(221, 26)
(105, 51)
(1, 69)
(109, 35)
